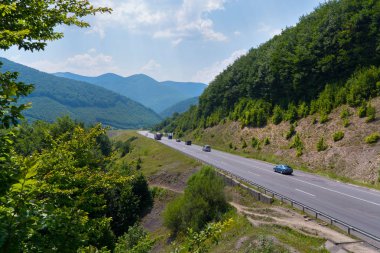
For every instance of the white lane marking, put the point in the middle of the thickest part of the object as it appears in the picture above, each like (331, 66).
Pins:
(253, 173)
(345, 194)
(305, 192)
(338, 192)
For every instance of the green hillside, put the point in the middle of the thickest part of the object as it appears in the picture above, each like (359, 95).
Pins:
(54, 96)
(331, 57)
(180, 107)
(141, 88)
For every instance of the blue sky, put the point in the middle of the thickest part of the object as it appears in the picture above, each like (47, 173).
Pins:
(180, 40)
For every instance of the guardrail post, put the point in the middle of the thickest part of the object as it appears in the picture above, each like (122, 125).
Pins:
(316, 215)
(332, 221)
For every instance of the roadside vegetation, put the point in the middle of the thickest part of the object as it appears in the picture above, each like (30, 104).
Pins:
(297, 82)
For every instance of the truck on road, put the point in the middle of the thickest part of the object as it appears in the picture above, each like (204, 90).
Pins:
(158, 136)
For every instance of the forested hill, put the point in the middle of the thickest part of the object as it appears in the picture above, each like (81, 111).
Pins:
(331, 57)
(144, 89)
(54, 97)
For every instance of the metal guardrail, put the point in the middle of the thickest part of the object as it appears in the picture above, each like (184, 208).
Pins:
(294, 203)
(304, 208)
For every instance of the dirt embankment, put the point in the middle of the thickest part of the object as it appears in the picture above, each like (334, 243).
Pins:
(349, 157)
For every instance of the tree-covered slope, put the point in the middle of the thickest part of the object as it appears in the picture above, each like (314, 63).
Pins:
(331, 57)
(144, 89)
(179, 107)
(54, 96)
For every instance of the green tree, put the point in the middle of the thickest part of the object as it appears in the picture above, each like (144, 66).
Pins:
(203, 202)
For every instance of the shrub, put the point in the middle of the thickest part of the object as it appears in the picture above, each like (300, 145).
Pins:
(203, 201)
(372, 138)
(314, 121)
(255, 143)
(345, 113)
(297, 144)
(370, 113)
(338, 136)
(136, 240)
(291, 114)
(230, 145)
(291, 132)
(277, 115)
(323, 118)
(321, 145)
(244, 144)
(346, 122)
(266, 141)
(362, 111)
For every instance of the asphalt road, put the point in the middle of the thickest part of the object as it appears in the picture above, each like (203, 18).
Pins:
(357, 206)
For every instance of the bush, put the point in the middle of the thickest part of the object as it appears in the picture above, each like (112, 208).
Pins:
(297, 144)
(362, 111)
(230, 145)
(266, 141)
(370, 113)
(338, 136)
(323, 118)
(372, 138)
(277, 115)
(345, 113)
(203, 202)
(346, 122)
(244, 144)
(321, 145)
(136, 240)
(291, 132)
(255, 143)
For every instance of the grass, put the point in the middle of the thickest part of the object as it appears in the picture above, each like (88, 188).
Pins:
(155, 157)
(274, 159)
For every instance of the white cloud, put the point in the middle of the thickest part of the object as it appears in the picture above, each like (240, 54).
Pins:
(175, 22)
(151, 66)
(208, 74)
(237, 33)
(89, 63)
(264, 28)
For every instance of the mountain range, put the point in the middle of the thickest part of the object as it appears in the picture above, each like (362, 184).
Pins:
(158, 96)
(55, 96)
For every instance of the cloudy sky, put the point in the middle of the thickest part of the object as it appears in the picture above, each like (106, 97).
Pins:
(180, 40)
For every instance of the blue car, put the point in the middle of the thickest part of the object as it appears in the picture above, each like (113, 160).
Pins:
(283, 169)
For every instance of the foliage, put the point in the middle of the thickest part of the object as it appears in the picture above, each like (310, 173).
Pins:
(277, 115)
(255, 143)
(291, 132)
(136, 240)
(200, 242)
(65, 191)
(346, 122)
(321, 145)
(300, 72)
(28, 24)
(262, 245)
(297, 144)
(345, 113)
(338, 136)
(244, 145)
(372, 138)
(266, 141)
(370, 113)
(203, 202)
(362, 110)
(323, 118)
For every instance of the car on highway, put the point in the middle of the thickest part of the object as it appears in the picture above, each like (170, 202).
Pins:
(178, 140)
(283, 169)
(188, 142)
(206, 148)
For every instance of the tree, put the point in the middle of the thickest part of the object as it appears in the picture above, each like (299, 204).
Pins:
(28, 24)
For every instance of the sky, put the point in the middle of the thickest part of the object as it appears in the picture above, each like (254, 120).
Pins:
(179, 40)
